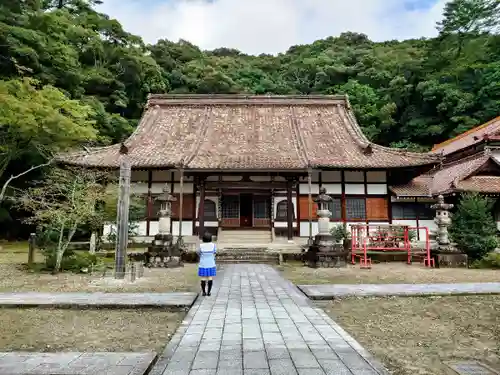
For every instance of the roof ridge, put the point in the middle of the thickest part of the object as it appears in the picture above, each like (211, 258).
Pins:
(477, 155)
(244, 96)
(301, 150)
(201, 134)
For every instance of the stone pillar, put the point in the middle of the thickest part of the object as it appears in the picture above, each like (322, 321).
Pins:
(122, 216)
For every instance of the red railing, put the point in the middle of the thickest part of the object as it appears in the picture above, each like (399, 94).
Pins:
(386, 239)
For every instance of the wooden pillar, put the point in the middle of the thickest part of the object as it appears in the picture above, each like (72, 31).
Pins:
(122, 216)
(310, 202)
(201, 210)
(149, 208)
(181, 201)
(289, 206)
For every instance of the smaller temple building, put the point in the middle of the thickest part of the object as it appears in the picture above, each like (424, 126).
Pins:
(470, 163)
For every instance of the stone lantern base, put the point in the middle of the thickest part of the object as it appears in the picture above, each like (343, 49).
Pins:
(447, 256)
(325, 253)
(163, 252)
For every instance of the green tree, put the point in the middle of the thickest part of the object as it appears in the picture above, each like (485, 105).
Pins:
(64, 201)
(36, 122)
(473, 227)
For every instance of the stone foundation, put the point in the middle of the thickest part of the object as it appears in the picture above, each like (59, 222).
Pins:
(455, 260)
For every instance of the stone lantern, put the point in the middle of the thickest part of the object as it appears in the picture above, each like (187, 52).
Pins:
(324, 252)
(164, 215)
(445, 252)
(443, 220)
(162, 251)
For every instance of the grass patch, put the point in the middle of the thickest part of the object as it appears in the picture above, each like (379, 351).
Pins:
(16, 277)
(415, 335)
(385, 273)
(55, 330)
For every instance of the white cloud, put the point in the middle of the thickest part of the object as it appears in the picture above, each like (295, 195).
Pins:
(270, 26)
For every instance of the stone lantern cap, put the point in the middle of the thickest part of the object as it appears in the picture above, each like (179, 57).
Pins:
(322, 199)
(166, 200)
(441, 206)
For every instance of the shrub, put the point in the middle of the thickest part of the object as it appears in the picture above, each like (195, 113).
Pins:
(491, 260)
(473, 228)
(71, 261)
(340, 233)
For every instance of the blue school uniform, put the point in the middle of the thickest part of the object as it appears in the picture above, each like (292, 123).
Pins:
(206, 267)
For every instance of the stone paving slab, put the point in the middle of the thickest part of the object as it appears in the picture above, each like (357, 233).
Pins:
(258, 323)
(471, 368)
(332, 291)
(98, 299)
(73, 363)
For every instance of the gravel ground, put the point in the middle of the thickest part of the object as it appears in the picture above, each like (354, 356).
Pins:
(89, 330)
(415, 335)
(386, 273)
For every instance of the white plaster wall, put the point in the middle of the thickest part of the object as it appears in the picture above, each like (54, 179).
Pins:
(304, 228)
(354, 176)
(334, 188)
(304, 188)
(376, 176)
(187, 227)
(331, 176)
(279, 199)
(284, 224)
(157, 187)
(138, 188)
(260, 178)
(356, 189)
(426, 223)
(153, 228)
(141, 229)
(211, 224)
(377, 189)
(187, 188)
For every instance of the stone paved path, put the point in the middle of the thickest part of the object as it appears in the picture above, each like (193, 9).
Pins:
(23, 363)
(331, 291)
(98, 299)
(257, 323)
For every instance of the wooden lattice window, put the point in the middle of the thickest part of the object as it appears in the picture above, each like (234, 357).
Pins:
(404, 211)
(282, 211)
(377, 209)
(261, 208)
(355, 208)
(230, 207)
(335, 207)
(210, 209)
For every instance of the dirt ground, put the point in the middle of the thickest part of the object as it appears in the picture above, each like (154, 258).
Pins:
(386, 273)
(48, 330)
(416, 335)
(14, 277)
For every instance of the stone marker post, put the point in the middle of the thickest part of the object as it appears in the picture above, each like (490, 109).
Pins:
(122, 216)
(31, 249)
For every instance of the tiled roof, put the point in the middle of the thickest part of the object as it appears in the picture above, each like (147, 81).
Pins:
(482, 184)
(455, 176)
(469, 138)
(249, 132)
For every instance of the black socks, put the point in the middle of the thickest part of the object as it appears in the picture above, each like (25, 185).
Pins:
(203, 283)
(210, 282)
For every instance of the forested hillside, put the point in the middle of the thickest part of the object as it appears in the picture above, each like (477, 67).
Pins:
(70, 76)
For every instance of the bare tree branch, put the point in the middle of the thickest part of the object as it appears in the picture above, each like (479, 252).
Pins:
(11, 178)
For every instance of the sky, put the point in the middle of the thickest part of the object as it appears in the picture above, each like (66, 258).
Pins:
(272, 26)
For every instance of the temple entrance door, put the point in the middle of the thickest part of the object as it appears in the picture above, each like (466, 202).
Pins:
(246, 210)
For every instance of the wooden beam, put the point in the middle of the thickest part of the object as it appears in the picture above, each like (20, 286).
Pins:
(201, 210)
(289, 207)
(149, 208)
(214, 185)
(181, 201)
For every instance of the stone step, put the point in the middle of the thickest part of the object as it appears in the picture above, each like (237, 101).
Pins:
(248, 261)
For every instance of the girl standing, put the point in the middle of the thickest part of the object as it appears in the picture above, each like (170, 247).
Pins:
(206, 267)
